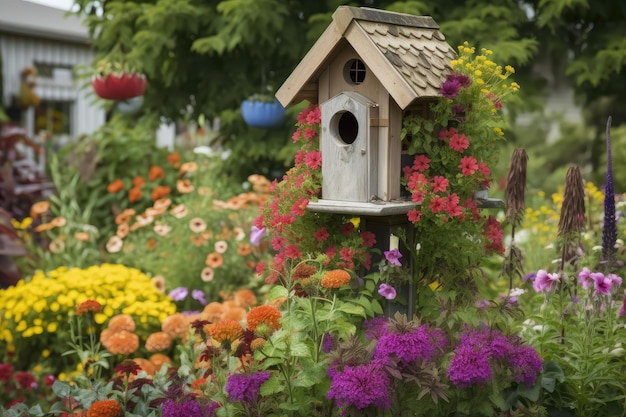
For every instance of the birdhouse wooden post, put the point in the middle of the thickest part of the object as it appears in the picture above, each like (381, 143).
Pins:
(368, 70)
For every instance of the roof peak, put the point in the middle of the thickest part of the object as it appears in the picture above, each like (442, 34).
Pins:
(344, 15)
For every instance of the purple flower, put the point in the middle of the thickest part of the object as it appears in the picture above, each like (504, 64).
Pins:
(375, 328)
(198, 295)
(622, 309)
(609, 231)
(584, 276)
(361, 387)
(179, 294)
(616, 281)
(463, 79)
(393, 256)
(410, 346)
(190, 408)
(543, 281)
(256, 235)
(450, 88)
(526, 364)
(328, 344)
(482, 304)
(602, 284)
(387, 291)
(469, 366)
(245, 387)
(531, 276)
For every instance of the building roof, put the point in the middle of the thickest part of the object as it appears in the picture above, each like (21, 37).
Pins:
(408, 54)
(32, 19)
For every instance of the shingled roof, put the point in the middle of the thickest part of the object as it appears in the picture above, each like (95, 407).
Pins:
(408, 54)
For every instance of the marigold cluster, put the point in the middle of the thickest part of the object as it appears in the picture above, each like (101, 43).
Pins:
(267, 314)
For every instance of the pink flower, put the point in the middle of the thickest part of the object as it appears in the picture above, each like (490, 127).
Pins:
(585, 277)
(368, 239)
(421, 163)
(543, 281)
(437, 204)
(292, 252)
(459, 142)
(414, 215)
(439, 184)
(602, 284)
(346, 254)
(321, 234)
(310, 133)
(296, 135)
(393, 256)
(468, 165)
(313, 159)
(299, 207)
(314, 116)
(387, 291)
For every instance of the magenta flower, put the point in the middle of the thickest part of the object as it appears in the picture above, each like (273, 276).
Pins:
(256, 234)
(450, 88)
(543, 281)
(602, 284)
(584, 276)
(387, 291)
(393, 256)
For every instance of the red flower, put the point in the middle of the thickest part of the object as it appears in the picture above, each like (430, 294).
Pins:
(368, 238)
(414, 215)
(459, 142)
(439, 184)
(88, 306)
(347, 228)
(292, 252)
(437, 204)
(421, 163)
(313, 159)
(25, 380)
(468, 165)
(6, 370)
(321, 234)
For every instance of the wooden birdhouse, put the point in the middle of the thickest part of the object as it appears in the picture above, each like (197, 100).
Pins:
(367, 71)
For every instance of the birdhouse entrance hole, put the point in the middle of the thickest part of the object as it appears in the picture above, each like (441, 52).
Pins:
(345, 127)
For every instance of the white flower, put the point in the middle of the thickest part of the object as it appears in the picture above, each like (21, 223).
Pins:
(516, 292)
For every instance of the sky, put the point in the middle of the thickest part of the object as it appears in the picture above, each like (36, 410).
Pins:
(59, 4)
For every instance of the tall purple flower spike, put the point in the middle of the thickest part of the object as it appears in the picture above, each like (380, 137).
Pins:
(609, 232)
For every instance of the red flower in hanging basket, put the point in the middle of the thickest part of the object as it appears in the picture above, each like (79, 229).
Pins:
(119, 86)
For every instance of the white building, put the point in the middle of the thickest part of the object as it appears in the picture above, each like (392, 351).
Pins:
(33, 35)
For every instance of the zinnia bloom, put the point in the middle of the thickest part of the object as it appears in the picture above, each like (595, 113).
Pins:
(39, 208)
(155, 173)
(88, 305)
(115, 186)
(207, 274)
(158, 341)
(175, 325)
(267, 314)
(160, 192)
(197, 225)
(245, 387)
(105, 408)
(134, 194)
(226, 331)
(122, 343)
(336, 278)
(184, 186)
(214, 260)
(121, 322)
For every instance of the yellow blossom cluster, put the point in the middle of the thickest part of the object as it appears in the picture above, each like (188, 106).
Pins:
(34, 314)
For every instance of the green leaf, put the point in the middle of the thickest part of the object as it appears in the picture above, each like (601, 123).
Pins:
(277, 291)
(272, 386)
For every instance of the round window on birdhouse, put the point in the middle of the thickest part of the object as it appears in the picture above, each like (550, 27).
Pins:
(345, 127)
(354, 71)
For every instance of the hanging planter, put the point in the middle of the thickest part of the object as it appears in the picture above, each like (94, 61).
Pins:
(122, 86)
(262, 114)
(130, 106)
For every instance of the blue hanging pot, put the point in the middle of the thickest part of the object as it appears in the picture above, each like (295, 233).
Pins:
(130, 106)
(262, 114)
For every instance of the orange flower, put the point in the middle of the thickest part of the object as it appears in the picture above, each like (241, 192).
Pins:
(121, 322)
(125, 216)
(257, 343)
(234, 313)
(58, 221)
(214, 260)
(82, 236)
(207, 274)
(184, 186)
(116, 186)
(39, 208)
(44, 227)
(176, 325)
(155, 173)
(244, 249)
(251, 264)
(134, 194)
(226, 331)
(336, 278)
(158, 359)
(57, 245)
(267, 314)
(160, 192)
(197, 240)
(188, 167)
(88, 305)
(122, 343)
(138, 181)
(173, 158)
(197, 225)
(105, 408)
(145, 365)
(245, 298)
(122, 230)
(213, 311)
(158, 341)
(303, 271)
(162, 204)
(197, 384)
